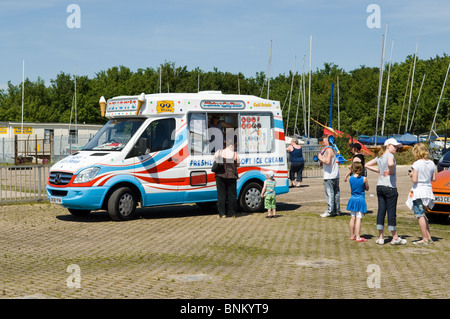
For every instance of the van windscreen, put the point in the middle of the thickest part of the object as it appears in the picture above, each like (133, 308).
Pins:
(114, 135)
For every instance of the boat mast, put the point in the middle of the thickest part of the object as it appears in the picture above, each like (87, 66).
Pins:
(290, 97)
(339, 117)
(412, 82)
(439, 102)
(268, 75)
(404, 98)
(309, 88)
(23, 92)
(304, 96)
(387, 90)
(76, 128)
(380, 82)
(417, 102)
(300, 97)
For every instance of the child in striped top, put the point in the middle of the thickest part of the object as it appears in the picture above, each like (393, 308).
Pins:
(268, 193)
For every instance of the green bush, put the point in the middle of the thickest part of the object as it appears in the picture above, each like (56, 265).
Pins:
(405, 157)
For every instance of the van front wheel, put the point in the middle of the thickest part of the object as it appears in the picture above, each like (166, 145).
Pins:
(250, 199)
(122, 204)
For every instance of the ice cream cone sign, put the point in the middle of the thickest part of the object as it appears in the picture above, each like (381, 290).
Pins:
(141, 101)
(102, 103)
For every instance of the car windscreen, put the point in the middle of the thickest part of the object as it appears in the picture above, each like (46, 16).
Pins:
(446, 157)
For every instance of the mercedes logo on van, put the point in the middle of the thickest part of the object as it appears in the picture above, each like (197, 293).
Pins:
(57, 178)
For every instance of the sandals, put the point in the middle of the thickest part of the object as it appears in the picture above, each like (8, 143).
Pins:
(423, 242)
(360, 240)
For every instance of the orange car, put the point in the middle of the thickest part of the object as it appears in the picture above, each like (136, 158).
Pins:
(441, 190)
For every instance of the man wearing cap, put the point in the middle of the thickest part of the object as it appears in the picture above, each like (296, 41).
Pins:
(327, 159)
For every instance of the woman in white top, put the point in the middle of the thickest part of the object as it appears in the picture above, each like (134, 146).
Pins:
(423, 171)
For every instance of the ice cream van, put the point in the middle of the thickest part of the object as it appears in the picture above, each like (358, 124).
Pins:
(157, 149)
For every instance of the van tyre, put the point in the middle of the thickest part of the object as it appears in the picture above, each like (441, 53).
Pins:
(250, 199)
(122, 204)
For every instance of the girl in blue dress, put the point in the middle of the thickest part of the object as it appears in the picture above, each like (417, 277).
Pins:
(357, 202)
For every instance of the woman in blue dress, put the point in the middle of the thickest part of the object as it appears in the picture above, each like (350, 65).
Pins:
(357, 202)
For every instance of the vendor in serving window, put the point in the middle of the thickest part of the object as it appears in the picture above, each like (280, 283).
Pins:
(215, 121)
(216, 132)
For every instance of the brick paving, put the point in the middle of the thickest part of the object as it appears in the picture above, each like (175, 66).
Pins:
(182, 252)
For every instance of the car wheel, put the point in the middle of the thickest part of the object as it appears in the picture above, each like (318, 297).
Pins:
(122, 204)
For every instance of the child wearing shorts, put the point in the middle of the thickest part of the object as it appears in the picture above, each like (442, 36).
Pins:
(422, 172)
(357, 202)
(268, 193)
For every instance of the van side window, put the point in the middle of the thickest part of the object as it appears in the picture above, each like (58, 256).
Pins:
(197, 133)
(208, 131)
(160, 134)
(256, 132)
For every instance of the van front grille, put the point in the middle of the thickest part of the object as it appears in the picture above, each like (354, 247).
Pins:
(60, 178)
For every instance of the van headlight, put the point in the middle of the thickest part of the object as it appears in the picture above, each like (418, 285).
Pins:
(86, 175)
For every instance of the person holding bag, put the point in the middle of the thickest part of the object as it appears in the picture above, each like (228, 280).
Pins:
(226, 179)
(422, 173)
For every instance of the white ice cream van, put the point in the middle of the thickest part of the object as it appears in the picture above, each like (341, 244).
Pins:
(157, 149)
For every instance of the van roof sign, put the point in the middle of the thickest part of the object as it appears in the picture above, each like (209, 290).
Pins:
(125, 106)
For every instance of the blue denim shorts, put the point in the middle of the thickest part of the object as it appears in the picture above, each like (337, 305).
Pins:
(419, 209)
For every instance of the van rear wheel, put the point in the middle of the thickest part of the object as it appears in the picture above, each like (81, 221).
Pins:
(122, 204)
(250, 199)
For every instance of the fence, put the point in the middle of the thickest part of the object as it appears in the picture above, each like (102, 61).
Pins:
(312, 168)
(39, 151)
(23, 183)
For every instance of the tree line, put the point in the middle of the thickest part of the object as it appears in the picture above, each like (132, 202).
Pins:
(358, 95)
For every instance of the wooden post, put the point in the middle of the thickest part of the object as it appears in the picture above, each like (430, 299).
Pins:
(36, 148)
(15, 149)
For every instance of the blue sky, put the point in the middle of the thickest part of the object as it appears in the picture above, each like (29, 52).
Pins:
(232, 35)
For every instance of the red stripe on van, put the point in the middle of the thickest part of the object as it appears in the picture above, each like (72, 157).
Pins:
(279, 135)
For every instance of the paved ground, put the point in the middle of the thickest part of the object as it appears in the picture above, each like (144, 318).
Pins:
(182, 252)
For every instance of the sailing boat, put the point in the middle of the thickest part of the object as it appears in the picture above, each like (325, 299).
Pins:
(334, 132)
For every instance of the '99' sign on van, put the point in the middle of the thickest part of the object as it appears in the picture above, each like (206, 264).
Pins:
(165, 106)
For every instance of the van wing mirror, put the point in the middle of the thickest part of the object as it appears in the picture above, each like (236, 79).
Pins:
(140, 148)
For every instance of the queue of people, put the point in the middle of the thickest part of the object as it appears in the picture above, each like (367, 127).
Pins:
(422, 173)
